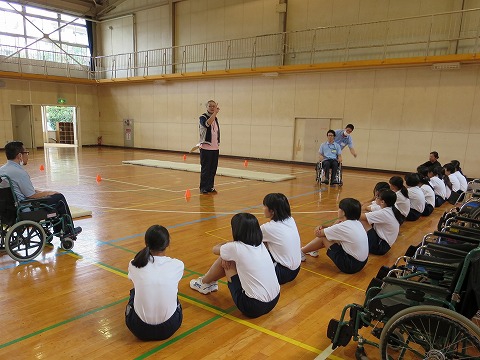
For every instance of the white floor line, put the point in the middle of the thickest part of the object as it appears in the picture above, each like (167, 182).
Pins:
(325, 353)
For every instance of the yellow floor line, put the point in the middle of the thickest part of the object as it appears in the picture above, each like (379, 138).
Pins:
(330, 278)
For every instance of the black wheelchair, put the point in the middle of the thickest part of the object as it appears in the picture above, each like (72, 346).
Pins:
(320, 174)
(27, 226)
(420, 309)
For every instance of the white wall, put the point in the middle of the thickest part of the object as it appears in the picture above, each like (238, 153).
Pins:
(38, 93)
(400, 115)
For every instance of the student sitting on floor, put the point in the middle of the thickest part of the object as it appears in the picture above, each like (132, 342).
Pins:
(415, 194)
(427, 189)
(249, 269)
(385, 223)
(153, 311)
(462, 179)
(372, 204)
(281, 237)
(403, 202)
(346, 241)
(438, 185)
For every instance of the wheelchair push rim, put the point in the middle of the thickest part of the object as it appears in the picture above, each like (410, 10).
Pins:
(25, 240)
(429, 332)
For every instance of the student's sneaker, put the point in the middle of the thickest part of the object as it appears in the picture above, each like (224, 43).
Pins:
(197, 284)
(313, 253)
(303, 257)
(212, 190)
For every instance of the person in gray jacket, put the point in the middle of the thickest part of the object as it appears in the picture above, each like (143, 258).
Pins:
(209, 143)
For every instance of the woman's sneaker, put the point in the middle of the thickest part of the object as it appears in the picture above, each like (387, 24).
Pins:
(313, 253)
(197, 284)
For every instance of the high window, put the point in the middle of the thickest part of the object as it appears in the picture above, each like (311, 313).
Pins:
(39, 34)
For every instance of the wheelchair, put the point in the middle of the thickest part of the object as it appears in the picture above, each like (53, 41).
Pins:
(27, 226)
(320, 174)
(420, 310)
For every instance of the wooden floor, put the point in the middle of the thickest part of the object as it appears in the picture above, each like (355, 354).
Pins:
(70, 304)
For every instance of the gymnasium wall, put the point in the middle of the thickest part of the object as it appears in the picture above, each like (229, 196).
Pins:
(38, 93)
(400, 115)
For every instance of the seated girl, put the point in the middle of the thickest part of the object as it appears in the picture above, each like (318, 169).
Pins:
(153, 311)
(415, 194)
(403, 202)
(385, 223)
(438, 185)
(346, 241)
(249, 269)
(281, 237)
(372, 204)
(427, 189)
(462, 179)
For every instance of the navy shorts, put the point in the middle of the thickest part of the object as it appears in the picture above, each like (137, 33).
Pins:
(147, 332)
(249, 307)
(376, 245)
(345, 262)
(284, 274)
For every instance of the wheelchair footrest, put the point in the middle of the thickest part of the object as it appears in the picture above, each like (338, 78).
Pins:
(344, 333)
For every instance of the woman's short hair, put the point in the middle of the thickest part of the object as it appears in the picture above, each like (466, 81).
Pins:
(278, 203)
(245, 228)
(351, 207)
(388, 196)
(412, 179)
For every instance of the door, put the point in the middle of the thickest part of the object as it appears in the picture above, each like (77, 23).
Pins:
(309, 134)
(22, 124)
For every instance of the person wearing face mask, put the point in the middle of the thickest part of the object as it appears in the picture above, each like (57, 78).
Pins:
(17, 157)
(343, 138)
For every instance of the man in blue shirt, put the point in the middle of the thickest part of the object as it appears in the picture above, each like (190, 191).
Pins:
(330, 154)
(17, 157)
(343, 138)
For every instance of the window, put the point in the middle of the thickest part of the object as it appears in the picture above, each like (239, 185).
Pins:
(22, 25)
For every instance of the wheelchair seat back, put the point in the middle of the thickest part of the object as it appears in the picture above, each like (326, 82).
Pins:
(8, 211)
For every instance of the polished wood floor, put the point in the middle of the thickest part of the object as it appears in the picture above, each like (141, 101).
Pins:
(70, 304)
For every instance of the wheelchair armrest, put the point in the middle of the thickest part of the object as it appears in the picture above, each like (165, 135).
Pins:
(409, 284)
(472, 231)
(466, 219)
(433, 264)
(453, 236)
(447, 250)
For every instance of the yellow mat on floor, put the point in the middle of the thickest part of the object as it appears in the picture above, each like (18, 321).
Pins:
(238, 173)
(79, 212)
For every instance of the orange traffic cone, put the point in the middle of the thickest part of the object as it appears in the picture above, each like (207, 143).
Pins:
(42, 167)
(99, 178)
(245, 163)
(184, 157)
(187, 194)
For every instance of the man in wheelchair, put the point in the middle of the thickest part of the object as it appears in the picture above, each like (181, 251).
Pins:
(330, 155)
(17, 156)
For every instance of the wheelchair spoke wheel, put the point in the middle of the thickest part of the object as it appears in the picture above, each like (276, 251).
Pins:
(429, 332)
(25, 240)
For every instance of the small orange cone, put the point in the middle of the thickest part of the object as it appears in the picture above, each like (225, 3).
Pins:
(245, 163)
(42, 167)
(99, 178)
(184, 157)
(187, 194)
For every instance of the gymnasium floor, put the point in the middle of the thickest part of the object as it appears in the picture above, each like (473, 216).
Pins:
(70, 304)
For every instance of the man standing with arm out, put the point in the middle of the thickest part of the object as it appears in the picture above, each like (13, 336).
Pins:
(209, 131)
(343, 138)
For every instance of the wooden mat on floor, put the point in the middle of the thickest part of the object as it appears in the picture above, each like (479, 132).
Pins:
(238, 173)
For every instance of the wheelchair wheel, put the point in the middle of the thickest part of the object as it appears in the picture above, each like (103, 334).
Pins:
(25, 240)
(67, 244)
(429, 332)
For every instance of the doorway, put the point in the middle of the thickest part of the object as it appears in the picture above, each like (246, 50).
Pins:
(59, 124)
(309, 134)
(22, 124)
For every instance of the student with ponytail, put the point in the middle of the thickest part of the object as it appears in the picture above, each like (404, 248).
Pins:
(438, 185)
(385, 223)
(153, 311)
(403, 202)
(417, 199)
(427, 189)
